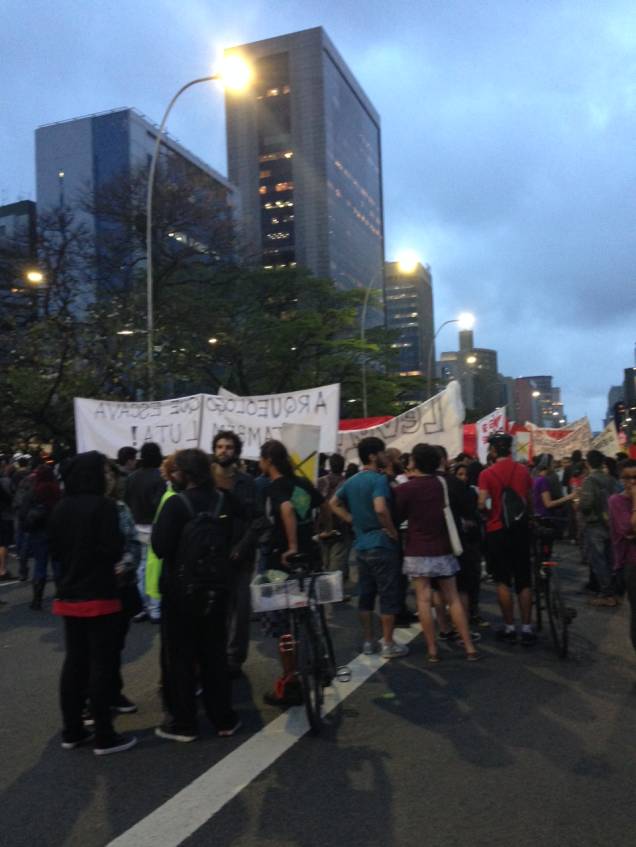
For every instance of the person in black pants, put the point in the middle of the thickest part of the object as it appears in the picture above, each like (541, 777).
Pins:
(84, 538)
(191, 642)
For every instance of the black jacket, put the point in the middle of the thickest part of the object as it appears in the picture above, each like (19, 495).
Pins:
(166, 532)
(144, 489)
(84, 534)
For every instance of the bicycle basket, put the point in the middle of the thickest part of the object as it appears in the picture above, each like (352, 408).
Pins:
(273, 596)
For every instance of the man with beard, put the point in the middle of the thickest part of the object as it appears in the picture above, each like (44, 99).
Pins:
(226, 449)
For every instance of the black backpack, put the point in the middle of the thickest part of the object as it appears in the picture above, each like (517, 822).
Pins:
(203, 559)
(514, 509)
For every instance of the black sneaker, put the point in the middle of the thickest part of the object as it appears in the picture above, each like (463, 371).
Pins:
(506, 637)
(172, 732)
(87, 718)
(528, 639)
(115, 744)
(70, 742)
(123, 706)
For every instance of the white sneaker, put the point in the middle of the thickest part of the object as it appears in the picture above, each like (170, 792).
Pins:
(393, 650)
(368, 648)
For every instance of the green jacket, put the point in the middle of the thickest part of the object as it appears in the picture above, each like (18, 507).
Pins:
(153, 562)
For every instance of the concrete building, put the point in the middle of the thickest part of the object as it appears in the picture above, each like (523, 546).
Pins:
(304, 150)
(18, 255)
(84, 157)
(409, 310)
(538, 401)
(477, 371)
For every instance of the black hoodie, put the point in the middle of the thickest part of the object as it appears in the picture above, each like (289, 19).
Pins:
(84, 534)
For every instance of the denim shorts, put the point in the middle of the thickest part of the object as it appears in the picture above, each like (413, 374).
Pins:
(379, 574)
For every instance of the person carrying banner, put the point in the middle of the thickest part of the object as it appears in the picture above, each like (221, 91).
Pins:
(505, 490)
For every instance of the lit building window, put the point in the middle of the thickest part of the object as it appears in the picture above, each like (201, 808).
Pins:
(274, 157)
(286, 89)
(262, 189)
(284, 186)
(277, 236)
(264, 174)
(272, 92)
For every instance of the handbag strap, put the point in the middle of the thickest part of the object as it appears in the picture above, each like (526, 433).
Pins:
(445, 489)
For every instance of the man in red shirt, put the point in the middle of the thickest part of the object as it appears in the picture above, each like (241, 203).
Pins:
(508, 549)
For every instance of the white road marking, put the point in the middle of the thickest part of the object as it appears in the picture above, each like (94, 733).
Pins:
(186, 812)
(4, 584)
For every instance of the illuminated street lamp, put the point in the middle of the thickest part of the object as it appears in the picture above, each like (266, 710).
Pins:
(235, 74)
(471, 360)
(213, 340)
(34, 276)
(536, 394)
(466, 321)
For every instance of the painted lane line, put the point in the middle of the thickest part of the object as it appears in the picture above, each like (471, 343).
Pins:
(178, 818)
(4, 583)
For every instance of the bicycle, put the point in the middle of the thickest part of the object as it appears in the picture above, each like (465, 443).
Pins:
(303, 595)
(548, 594)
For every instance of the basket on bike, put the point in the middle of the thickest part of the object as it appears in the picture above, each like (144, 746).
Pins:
(274, 596)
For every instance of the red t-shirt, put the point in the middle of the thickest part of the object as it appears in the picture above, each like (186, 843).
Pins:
(505, 473)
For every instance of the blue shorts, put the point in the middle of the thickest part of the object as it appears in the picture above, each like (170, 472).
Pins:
(379, 574)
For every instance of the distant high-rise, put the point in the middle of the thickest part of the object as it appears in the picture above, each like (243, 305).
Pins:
(409, 310)
(477, 371)
(304, 150)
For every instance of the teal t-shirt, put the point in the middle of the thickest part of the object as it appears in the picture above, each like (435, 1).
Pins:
(357, 494)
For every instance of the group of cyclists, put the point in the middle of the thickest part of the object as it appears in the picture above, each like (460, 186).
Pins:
(176, 541)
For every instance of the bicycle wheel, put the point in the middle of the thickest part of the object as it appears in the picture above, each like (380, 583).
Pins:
(310, 671)
(557, 613)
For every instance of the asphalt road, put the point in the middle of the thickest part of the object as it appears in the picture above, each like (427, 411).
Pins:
(521, 749)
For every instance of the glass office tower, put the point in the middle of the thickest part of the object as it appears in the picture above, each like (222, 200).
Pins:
(304, 150)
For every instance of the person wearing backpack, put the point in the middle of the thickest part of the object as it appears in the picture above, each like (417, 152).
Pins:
(594, 510)
(505, 492)
(193, 536)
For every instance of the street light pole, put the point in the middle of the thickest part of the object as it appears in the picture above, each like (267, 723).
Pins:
(150, 319)
(235, 75)
(465, 321)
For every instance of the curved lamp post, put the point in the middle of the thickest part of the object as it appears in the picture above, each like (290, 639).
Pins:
(465, 321)
(236, 75)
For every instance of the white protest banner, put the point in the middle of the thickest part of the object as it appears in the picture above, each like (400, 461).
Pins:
(107, 425)
(561, 442)
(259, 418)
(436, 421)
(607, 441)
(494, 422)
(303, 445)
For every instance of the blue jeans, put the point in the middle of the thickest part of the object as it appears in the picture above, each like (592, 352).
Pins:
(599, 553)
(379, 574)
(151, 604)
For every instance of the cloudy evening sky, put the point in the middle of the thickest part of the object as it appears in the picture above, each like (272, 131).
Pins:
(509, 144)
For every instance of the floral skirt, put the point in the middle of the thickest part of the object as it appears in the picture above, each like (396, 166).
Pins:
(430, 566)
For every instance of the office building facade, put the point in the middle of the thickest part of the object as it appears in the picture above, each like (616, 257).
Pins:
(304, 150)
(476, 370)
(85, 157)
(409, 311)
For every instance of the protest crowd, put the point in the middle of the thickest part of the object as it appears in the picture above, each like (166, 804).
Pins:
(177, 542)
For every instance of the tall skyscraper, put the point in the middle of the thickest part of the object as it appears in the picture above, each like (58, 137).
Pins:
(409, 310)
(476, 369)
(304, 150)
